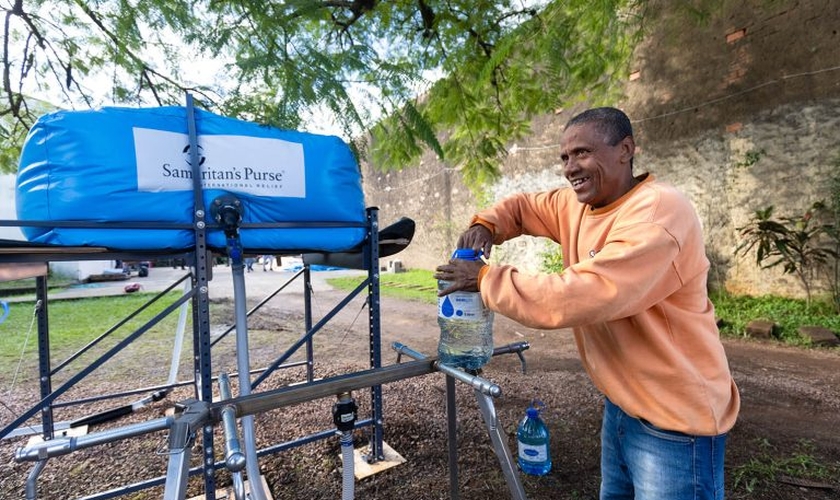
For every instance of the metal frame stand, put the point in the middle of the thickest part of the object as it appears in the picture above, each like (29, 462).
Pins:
(491, 419)
(201, 413)
(194, 415)
(484, 392)
(201, 302)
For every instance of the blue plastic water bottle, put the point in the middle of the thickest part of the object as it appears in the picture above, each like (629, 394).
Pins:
(466, 325)
(534, 455)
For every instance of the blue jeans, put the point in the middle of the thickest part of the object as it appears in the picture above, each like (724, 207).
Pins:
(640, 461)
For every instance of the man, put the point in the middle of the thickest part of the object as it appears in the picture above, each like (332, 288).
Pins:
(633, 289)
(268, 261)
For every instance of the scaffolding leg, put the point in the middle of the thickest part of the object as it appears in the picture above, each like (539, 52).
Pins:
(32, 480)
(488, 411)
(452, 433)
(177, 473)
(243, 364)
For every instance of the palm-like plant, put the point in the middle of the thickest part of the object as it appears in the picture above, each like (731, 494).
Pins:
(799, 244)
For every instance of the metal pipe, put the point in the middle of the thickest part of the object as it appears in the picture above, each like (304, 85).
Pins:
(243, 364)
(63, 446)
(287, 396)
(31, 487)
(239, 487)
(234, 458)
(476, 382)
(408, 351)
(498, 438)
(451, 433)
(178, 467)
(244, 405)
(178, 343)
(480, 384)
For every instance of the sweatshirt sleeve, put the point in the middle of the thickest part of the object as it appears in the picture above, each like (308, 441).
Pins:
(533, 214)
(632, 272)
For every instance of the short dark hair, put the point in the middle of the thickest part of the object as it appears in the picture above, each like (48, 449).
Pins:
(612, 122)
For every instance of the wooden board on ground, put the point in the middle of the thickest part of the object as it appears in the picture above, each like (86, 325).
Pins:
(362, 469)
(81, 430)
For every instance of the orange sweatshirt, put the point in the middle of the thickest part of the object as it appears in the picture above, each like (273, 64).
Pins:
(633, 289)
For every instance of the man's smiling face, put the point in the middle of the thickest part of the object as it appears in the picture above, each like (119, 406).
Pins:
(598, 172)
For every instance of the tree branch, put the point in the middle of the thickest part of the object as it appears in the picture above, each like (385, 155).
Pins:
(145, 69)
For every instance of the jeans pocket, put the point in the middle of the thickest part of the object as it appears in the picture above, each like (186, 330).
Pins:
(658, 432)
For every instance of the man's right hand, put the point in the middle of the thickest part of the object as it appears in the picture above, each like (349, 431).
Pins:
(477, 237)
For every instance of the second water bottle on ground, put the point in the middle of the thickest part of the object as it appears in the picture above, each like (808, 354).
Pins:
(534, 456)
(466, 325)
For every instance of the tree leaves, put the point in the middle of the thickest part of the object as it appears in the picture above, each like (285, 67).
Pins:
(460, 77)
(801, 245)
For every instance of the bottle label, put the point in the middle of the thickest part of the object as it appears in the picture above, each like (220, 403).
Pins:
(461, 305)
(533, 453)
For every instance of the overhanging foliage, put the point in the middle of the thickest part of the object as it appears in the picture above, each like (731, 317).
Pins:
(462, 77)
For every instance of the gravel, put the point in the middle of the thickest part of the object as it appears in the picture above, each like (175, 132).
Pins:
(790, 407)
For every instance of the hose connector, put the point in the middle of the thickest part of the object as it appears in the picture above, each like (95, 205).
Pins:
(345, 412)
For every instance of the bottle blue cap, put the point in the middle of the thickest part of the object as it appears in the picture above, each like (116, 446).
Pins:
(535, 408)
(466, 254)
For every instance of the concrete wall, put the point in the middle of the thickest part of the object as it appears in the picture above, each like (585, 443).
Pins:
(755, 80)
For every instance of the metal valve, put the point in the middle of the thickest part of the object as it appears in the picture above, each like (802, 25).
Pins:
(227, 211)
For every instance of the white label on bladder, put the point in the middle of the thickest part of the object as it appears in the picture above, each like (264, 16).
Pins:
(236, 163)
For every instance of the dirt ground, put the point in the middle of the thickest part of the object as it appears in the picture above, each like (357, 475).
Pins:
(784, 446)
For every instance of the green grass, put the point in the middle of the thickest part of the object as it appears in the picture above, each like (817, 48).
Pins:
(789, 314)
(27, 285)
(75, 323)
(416, 284)
(766, 466)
